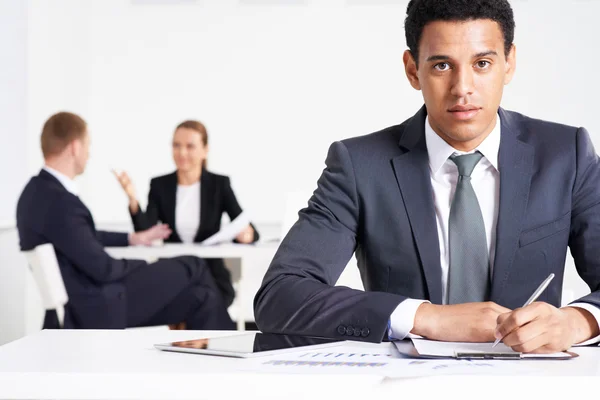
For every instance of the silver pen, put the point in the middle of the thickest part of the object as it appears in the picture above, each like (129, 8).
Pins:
(533, 297)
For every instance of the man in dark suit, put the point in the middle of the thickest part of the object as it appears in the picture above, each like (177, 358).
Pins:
(455, 216)
(106, 292)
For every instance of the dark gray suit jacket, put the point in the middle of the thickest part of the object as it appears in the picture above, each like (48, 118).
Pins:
(375, 199)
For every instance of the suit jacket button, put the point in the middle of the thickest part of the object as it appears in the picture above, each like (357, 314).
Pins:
(365, 332)
(341, 330)
(121, 295)
(349, 330)
(357, 332)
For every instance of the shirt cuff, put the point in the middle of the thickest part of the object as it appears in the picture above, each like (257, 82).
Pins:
(402, 320)
(595, 311)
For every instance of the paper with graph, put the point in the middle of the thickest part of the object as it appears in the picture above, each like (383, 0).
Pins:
(384, 362)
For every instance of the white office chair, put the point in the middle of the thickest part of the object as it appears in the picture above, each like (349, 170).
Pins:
(46, 273)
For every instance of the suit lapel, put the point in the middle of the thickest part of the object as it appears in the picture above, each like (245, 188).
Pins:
(515, 162)
(414, 179)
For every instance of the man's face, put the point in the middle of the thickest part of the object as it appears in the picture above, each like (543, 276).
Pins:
(462, 72)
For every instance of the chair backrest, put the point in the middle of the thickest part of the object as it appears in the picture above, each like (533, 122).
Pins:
(46, 273)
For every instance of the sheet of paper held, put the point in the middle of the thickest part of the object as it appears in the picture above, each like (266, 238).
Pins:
(229, 231)
(451, 349)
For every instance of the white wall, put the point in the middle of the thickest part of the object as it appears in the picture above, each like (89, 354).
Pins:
(13, 105)
(13, 165)
(275, 84)
(58, 65)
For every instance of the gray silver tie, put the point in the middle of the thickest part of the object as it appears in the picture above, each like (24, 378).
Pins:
(469, 275)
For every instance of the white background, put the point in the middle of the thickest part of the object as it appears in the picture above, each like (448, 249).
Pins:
(275, 82)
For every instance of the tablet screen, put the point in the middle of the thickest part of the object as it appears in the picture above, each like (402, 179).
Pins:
(247, 345)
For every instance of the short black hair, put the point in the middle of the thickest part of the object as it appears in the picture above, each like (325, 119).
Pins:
(421, 12)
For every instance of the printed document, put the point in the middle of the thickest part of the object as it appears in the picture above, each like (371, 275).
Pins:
(229, 231)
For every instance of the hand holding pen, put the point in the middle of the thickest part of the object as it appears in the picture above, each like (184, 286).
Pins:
(531, 299)
(541, 327)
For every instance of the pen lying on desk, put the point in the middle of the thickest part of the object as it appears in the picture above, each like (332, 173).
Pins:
(533, 298)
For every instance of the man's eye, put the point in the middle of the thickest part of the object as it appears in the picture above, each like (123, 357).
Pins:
(442, 66)
(483, 64)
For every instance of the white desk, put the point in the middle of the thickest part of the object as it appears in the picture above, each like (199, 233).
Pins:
(122, 364)
(242, 252)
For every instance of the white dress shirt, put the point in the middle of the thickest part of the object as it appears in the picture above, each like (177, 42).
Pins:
(187, 211)
(67, 182)
(486, 184)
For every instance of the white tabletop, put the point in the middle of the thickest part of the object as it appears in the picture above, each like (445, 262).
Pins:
(226, 250)
(113, 364)
(116, 364)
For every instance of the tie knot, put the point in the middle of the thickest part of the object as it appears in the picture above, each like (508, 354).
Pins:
(466, 163)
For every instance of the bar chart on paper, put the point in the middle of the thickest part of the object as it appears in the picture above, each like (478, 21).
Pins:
(346, 355)
(347, 358)
(309, 363)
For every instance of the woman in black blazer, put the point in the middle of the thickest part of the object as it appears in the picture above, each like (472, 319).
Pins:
(190, 200)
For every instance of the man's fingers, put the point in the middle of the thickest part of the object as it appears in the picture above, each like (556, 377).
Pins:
(537, 344)
(161, 231)
(502, 317)
(525, 333)
(516, 319)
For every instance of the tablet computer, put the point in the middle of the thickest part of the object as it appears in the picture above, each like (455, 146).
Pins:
(249, 345)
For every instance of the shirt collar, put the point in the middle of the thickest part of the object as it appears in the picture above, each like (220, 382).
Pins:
(439, 151)
(67, 182)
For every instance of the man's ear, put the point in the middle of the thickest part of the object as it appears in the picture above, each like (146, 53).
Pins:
(75, 147)
(410, 67)
(72, 148)
(511, 65)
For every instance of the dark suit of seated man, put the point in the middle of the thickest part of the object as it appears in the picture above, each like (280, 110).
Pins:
(105, 292)
(455, 216)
